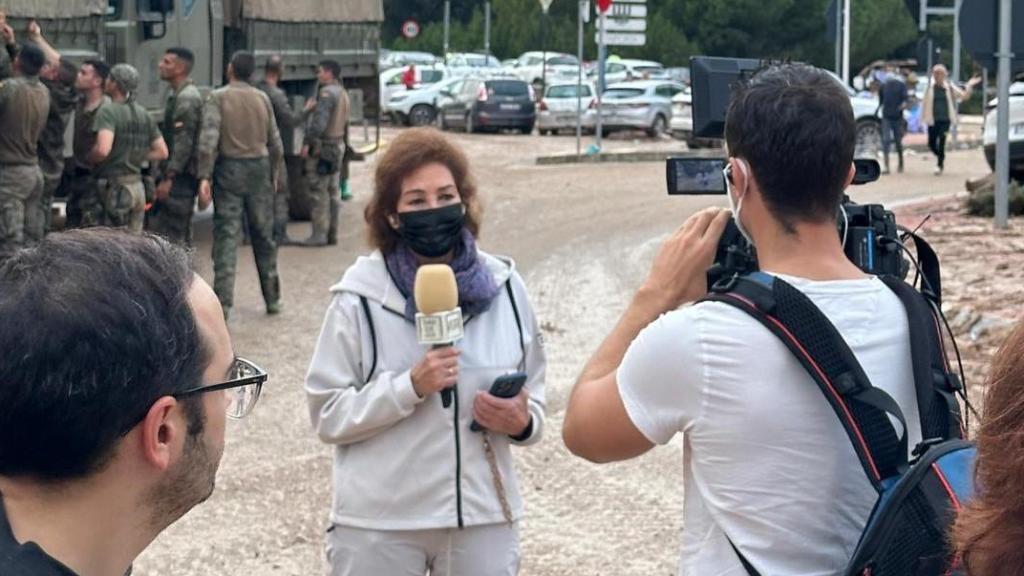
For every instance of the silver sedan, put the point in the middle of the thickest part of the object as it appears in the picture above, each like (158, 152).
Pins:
(557, 110)
(644, 105)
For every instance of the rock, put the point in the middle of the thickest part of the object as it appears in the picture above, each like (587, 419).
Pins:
(963, 319)
(993, 326)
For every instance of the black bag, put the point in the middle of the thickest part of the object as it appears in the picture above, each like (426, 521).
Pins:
(906, 533)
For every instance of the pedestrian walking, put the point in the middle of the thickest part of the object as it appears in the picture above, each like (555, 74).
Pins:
(323, 150)
(941, 100)
(126, 137)
(287, 119)
(240, 157)
(24, 106)
(83, 206)
(892, 101)
(175, 195)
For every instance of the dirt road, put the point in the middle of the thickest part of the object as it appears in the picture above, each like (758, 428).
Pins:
(582, 236)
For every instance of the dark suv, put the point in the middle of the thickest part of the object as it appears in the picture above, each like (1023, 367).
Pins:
(489, 104)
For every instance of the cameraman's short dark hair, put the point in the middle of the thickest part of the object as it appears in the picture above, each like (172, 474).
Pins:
(95, 326)
(333, 67)
(244, 64)
(102, 68)
(31, 59)
(794, 125)
(185, 55)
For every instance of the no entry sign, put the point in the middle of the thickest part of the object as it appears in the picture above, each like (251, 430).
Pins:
(410, 29)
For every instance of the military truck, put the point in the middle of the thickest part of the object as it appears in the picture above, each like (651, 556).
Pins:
(303, 32)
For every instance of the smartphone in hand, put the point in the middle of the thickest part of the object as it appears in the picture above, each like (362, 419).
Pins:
(506, 386)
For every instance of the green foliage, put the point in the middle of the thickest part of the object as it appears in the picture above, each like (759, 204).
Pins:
(676, 29)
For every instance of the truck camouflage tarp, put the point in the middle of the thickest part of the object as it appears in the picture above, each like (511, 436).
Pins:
(53, 8)
(346, 11)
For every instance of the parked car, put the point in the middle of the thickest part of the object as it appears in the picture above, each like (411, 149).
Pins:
(489, 104)
(869, 123)
(1016, 131)
(391, 80)
(639, 105)
(621, 70)
(533, 68)
(396, 58)
(682, 122)
(419, 107)
(472, 64)
(680, 74)
(557, 109)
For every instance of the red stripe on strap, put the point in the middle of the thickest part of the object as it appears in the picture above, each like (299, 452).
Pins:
(824, 378)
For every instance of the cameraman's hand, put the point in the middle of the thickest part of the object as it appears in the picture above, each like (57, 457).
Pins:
(438, 370)
(678, 273)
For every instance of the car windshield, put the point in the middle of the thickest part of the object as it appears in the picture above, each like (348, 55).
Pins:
(566, 91)
(562, 61)
(650, 69)
(507, 88)
(622, 93)
(431, 76)
(482, 62)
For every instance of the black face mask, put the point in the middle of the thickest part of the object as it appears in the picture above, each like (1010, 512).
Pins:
(432, 233)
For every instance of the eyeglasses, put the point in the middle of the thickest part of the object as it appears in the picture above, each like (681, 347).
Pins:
(243, 387)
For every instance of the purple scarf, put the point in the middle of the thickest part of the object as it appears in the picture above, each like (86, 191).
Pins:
(476, 283)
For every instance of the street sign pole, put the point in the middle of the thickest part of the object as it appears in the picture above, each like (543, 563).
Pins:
(582, 5)
(846, 42)
(447, 28)
(839, 40)
(600, 72)
(1002, 207)
(487, 29)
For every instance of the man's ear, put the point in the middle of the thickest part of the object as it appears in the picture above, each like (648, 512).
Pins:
(162, 432)
(741, 178)
(850, 176)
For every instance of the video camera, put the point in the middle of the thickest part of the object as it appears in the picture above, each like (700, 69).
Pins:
(871, 238)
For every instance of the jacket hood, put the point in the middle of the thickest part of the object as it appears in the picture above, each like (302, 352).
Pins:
(368, 277)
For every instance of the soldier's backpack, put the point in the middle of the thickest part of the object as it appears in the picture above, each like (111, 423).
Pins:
(907, 531)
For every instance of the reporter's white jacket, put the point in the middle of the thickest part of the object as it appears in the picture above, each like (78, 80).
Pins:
(402, 462)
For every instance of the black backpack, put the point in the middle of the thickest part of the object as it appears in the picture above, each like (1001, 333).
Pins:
(907, 531)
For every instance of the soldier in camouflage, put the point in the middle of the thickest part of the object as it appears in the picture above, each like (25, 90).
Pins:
(287, 119)
(240, 151)
(24, 105)
(126, 136)
(58, 75)
(9, 50)
(323, 149)
(83, 204)
(175, 195)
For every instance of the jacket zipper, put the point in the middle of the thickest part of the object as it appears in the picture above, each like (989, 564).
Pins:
(458, 457)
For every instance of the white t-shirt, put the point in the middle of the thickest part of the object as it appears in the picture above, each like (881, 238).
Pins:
(765, 457)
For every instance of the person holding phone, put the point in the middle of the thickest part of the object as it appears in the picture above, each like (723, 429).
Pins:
(416, 489)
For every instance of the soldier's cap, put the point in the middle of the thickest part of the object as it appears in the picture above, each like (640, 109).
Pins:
(126, 77)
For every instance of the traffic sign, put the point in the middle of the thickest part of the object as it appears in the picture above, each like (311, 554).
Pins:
(625, 25)
(628, 11)
(545, 5)
(603, 5)
(623, 38)
(410, 29)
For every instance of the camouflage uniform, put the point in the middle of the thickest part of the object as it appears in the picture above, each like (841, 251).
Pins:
(325, 134)
(24, 105)
(183, 114)
(83, 205)
(51, 144)
(7, 60)
(286, 119)
(240, 148)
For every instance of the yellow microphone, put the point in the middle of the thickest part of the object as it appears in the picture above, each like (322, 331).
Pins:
(438, 318)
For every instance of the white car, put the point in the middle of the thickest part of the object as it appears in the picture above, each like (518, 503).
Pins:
(397, 58)
(1016, 131)
(419, 107)
(557, 109)
(391, 80)
(471, 64)
(621, 70)
(533, 68)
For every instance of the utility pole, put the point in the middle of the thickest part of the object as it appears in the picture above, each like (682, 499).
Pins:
(846, 42)
(447, 28)
(487, 28)
(1003, 116)
(582, 5)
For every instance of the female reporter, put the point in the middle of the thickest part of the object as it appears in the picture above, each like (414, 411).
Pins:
(989, 532)
(414, 488)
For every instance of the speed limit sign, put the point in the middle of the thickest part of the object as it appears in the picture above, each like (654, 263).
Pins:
(410, 29)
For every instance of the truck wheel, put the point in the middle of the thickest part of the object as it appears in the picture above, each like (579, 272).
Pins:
(421, 115)
(869, 138)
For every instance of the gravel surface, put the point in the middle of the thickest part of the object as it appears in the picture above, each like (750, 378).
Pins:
(582, 237)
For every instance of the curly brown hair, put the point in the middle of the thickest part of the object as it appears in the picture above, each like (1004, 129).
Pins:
(408, 152)
(989, 531)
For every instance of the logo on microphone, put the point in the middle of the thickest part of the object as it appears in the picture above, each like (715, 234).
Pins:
(440, 328)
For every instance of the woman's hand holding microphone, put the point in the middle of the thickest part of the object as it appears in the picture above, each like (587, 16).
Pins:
(438, 370)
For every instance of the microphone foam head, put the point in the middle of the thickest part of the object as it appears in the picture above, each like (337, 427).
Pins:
(435, 289)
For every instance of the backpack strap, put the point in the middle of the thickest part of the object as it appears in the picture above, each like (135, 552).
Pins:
(936, 386)
(373, 339)
(862, 409)
(519, 324)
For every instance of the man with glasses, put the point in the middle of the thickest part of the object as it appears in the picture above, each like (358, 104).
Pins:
(116, 375)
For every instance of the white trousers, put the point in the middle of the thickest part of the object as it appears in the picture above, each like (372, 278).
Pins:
(489, 550)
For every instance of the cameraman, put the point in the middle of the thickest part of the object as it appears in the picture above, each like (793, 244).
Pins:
(767, 463)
